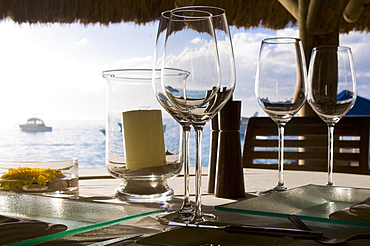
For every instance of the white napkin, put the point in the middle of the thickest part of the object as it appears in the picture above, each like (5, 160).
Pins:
(357, 212)
(15, 229)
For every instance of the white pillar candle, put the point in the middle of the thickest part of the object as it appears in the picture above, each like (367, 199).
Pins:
(143, 138)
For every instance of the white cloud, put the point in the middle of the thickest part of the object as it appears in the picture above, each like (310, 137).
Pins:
(196, 41)
(83, 41)
(359, 43)
(131, 63)
(246, 48)
(288, 32)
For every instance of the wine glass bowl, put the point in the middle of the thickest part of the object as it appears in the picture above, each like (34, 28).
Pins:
(332, 89)
(196, 104)
(202, 106)
(280, 87)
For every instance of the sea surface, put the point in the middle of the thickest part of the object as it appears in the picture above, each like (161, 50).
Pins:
(79, 139)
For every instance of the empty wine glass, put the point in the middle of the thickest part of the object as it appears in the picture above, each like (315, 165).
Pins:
(281, 87)
(186, 212)
(191, 46)
(332, 89)
(224, 48)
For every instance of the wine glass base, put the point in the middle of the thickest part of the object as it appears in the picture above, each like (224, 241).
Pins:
(277, 188)
(181, 216)
(203, 218)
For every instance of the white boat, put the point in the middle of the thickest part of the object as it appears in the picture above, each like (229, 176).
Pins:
(35, 125)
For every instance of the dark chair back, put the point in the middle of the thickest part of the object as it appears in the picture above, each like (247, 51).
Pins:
(306, 144)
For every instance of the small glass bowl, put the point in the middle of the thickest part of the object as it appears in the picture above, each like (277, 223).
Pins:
(49, 176)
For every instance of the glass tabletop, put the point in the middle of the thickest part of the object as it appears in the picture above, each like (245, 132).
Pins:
(311, 202)
(77, 215)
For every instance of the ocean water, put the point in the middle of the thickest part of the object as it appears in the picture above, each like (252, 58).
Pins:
(79, 139)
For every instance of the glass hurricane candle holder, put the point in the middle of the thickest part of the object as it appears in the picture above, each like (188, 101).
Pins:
(49, 176)
(140, 149)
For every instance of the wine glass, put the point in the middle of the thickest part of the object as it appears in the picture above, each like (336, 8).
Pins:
(225, 51)
(280, 88)
(332, 89)
(191, 46)
(186, 212)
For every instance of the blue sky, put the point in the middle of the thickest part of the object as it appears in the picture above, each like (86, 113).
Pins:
(54, 70)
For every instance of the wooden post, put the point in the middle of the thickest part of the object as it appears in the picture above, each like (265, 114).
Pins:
(311, 15)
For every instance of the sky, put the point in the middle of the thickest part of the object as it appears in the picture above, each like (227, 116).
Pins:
(54, 71)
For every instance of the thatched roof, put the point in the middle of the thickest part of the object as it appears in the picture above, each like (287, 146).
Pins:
(241, 13)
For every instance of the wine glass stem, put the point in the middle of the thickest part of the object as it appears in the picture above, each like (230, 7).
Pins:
(198, 170)
(281, 155)
(330, 153)
(186, 206)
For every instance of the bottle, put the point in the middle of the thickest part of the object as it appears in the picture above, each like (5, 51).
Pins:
(229, 173)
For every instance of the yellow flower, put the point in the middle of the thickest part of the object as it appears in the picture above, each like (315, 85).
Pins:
(17, 177)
